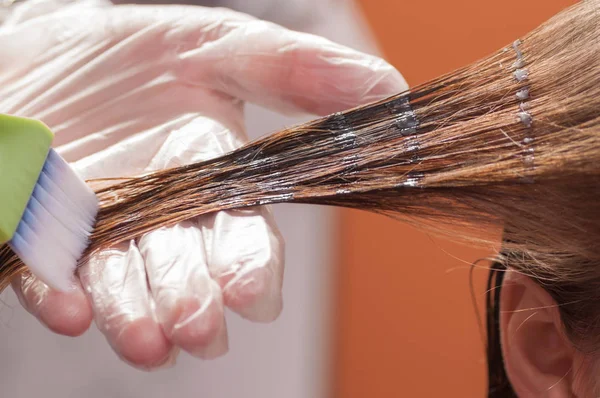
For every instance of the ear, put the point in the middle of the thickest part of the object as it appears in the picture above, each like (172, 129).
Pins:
(539, 360)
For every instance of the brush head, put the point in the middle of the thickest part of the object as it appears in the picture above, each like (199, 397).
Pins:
(55, 227)
(46, 211)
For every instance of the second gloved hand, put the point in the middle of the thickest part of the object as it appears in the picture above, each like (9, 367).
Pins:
(128, 89)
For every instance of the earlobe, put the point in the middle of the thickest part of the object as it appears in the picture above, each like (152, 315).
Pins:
(538, 357)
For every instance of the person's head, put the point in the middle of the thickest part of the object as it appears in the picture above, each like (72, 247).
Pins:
(542, 356)
(544, 316)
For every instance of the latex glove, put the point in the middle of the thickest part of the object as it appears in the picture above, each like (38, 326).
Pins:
(129, 89)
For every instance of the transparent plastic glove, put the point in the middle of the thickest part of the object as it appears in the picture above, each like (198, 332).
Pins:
(128, 89)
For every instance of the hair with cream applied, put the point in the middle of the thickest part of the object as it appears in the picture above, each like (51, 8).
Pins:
(510, 141)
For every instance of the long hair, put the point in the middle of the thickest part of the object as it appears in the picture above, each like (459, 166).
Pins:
(512, 140)
(498, 383)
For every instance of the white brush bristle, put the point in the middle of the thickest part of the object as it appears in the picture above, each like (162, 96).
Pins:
(55, 228)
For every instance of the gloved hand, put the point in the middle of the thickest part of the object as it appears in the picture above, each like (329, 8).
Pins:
(129, 89)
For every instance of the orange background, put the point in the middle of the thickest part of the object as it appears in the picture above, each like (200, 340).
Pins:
(406, 324)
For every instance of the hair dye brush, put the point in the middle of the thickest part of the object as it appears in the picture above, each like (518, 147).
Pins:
(510, 140)
(46, 211)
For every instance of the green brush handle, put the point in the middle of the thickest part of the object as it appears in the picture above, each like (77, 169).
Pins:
(24, 146)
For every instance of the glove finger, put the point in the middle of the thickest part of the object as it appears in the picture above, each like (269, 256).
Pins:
(189, 304)
(260, 62)
(245, 248)
(289, 71)
(115, 281)
(246, 58)
(246, 257)
(67, 313)
(137, 44)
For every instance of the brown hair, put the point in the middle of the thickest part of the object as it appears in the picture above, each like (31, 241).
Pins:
(510, 140)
